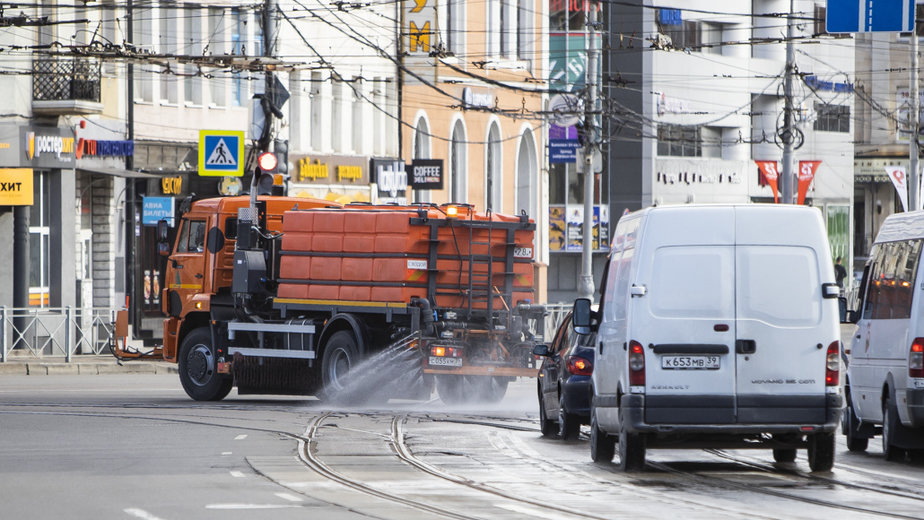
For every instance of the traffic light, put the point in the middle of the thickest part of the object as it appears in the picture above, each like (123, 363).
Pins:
(282, 156)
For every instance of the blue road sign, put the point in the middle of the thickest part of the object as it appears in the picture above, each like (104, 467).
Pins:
(221, 152)
(563, 150)
(858, 16)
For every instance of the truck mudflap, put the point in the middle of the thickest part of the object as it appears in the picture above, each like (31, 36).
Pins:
(118, 342)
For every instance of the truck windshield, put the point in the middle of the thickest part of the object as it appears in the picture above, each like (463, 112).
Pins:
(192, 237)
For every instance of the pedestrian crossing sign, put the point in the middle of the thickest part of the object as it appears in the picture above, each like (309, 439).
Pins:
(221, 153)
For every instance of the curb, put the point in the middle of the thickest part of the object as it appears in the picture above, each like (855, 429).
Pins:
(39, 368)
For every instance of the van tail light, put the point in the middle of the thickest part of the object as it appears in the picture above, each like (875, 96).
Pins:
(579, 366)
(636, 364)
(916, 358)
(833, 364)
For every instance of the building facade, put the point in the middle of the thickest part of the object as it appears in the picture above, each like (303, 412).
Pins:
(696, 100)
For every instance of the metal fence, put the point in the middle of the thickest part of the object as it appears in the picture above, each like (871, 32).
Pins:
(556, 312)
(54, 331)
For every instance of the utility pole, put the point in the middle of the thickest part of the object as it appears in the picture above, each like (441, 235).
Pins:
(586, 289)
(266, 103)
(788, 134)
(914, 178)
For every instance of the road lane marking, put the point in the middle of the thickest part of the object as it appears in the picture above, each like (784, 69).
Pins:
(529, 511)
(226, 453)
(141, 513)
(286, 496)
(237, 474)
(241, 437)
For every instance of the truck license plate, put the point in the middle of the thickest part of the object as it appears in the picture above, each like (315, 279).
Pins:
(690, 362)
(445, 361)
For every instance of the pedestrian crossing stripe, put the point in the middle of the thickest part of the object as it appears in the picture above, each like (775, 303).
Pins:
(221, 153)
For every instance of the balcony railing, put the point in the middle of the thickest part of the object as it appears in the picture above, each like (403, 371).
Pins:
(66, 86)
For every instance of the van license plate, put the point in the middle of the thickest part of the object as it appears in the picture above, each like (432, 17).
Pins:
(690, 362)
(445, 361)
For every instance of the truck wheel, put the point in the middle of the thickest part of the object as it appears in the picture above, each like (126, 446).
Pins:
(602, 445)
(851, 428)
(890, 427)
(569, 425)
(821, 451)
(450, 389)
(784, 454)
(197, 366)
(546, 425)
(340, 356)
(491, 389)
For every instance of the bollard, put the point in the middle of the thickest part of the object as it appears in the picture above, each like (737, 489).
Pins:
(67, 334)
(2, 333)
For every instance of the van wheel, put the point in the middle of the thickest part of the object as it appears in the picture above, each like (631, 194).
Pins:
(602, 446)
(569, 425)
(890, 427)
(784, 454)
(197, 368)
(546, 425)
(631, 451)
(821, 451)
(851, 428)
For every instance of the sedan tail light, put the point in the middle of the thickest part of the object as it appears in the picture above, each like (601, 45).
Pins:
(916, 358)
(636, 364)
(579, 366)
(833, 364)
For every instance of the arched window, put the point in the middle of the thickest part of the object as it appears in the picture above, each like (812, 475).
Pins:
(421, 151)
(492, 172)
(527, 175)
(458, 172)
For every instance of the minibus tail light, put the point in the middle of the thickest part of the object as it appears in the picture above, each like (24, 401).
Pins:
(916, 358)
(636, 364)
(833, 364)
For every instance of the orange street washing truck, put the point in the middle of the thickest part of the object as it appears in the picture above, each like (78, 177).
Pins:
(282, 295)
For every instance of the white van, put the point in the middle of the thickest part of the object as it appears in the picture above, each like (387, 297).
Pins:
(718, 327)
(885, 372)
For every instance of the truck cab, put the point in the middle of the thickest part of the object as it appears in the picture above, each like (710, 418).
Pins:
(200, 265)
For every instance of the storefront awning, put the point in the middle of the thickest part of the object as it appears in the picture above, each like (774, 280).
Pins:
(117, 172)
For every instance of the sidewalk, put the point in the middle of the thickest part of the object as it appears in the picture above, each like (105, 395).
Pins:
(81, 364)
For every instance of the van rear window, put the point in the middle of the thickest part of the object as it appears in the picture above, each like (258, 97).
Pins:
(779, 285)
(693, 282)
(891, 280)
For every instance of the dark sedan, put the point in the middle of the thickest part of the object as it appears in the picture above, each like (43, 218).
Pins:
(564, 382)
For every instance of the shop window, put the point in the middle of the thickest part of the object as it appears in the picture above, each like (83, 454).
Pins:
(39, 242)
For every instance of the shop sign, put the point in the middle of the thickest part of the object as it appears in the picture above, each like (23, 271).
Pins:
(171, 185)
(16, 187)
(230, 186)
(93, 147)
(155, 209)
(390, 178)
(427, 174)
(47, 147)
(330, 169)
(420, 25)
(472, 99)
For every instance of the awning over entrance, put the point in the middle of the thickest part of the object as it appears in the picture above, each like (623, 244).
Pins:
(117, 172)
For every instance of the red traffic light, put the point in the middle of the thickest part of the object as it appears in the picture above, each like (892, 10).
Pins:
(267, 161)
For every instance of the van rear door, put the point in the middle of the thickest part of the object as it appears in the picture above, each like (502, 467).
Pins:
(685, 320)
(781, 342)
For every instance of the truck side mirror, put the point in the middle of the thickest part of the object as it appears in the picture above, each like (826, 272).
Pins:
(163, 228)
(580, 320)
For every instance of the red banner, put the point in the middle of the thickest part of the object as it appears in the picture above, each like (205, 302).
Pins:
(807, 171)
(771, 173)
